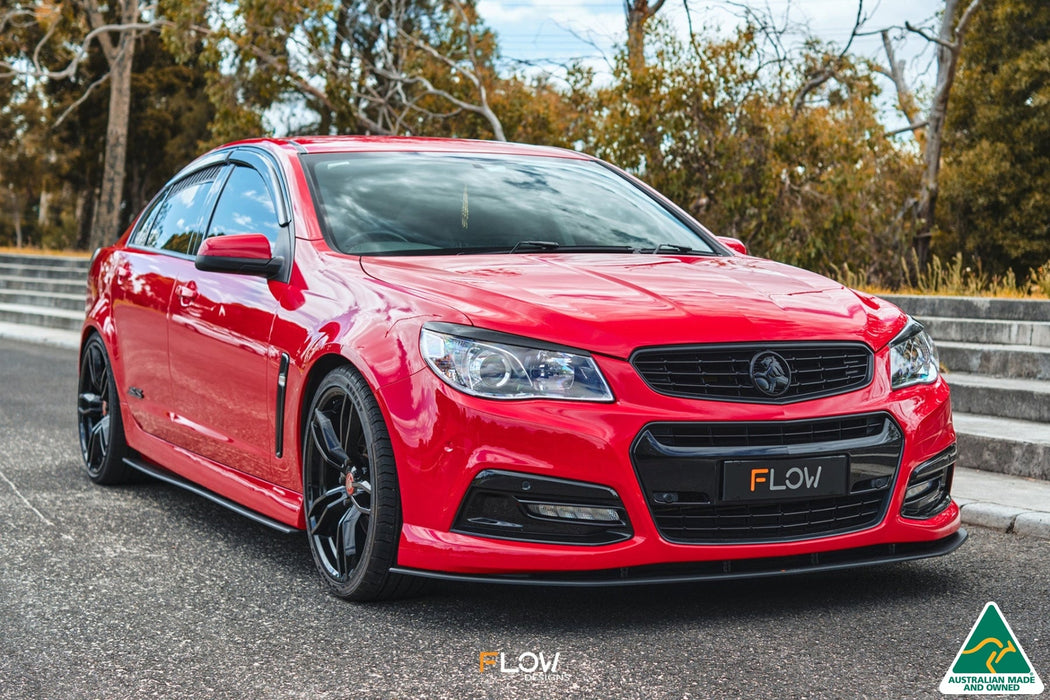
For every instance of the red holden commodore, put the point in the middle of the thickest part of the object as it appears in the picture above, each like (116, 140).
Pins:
(494, 362)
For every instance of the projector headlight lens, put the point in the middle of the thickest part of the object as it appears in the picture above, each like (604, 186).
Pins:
(913, 357)
(495, 369)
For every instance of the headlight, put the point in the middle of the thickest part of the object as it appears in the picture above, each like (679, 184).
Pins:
(498, 366)
(913, 357)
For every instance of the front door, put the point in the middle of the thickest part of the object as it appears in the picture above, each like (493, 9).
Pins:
(219, 350)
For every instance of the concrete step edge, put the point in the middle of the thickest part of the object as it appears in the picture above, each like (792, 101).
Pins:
(1036, 386)
(47, 283)
(34, 293)
(972, 307)
(46, 260)
(1003, 445)
(1021, 399)
(992, 331)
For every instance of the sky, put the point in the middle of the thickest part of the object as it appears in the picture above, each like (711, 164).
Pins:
(558, 31)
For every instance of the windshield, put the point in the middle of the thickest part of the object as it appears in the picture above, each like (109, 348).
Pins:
(424, 203)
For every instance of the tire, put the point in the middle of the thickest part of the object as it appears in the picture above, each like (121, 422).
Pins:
(102, 442)
(353, 538)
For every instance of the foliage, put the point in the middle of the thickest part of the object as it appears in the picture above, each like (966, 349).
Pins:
(738, 136)
(714, 128)
(995, 199)
(56, 128)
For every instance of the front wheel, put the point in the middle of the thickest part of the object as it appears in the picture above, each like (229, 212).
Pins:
(350, 491)
(102, 443)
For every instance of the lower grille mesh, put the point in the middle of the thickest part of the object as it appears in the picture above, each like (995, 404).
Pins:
(680, 469)
(766, 521)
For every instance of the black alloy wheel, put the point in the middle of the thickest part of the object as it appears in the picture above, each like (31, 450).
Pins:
(350, 491)
(102, 442)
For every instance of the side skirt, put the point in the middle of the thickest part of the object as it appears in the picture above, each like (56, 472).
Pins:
(176, 480)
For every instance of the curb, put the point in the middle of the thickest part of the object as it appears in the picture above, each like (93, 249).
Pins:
(55, 337)
(1008, 519)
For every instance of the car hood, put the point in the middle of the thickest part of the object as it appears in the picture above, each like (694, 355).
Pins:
(612, 304)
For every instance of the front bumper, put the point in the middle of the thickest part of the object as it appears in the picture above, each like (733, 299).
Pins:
(443, 440)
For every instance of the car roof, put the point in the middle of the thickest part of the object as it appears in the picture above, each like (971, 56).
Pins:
(351, 144)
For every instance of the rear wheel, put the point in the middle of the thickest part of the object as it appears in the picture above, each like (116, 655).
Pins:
(102, 443)
(350, 491)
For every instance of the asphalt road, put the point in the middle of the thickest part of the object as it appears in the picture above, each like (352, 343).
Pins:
(147, 591)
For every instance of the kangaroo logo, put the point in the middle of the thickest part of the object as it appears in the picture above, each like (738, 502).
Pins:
(770, 373)
(997, 654)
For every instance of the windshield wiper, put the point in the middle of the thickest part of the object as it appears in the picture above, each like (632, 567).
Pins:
(547, 246)
(675, 248)
(534, 245)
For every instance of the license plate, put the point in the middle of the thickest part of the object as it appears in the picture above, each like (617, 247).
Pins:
(781, 479)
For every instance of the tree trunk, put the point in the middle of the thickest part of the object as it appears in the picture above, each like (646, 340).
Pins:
(84, 213)
(106, 226)
(638, 13)
(949, 46)
(16, 212)
(43, 218)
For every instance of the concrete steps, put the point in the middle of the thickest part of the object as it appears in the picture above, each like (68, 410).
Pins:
(1003, 445)
(995, 331)
(1020, 361)
(44, 284)
(996, 353)
(1020, 399)
(51, 300)
(43, 291)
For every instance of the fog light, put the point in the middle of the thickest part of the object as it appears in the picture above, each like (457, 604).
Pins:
(921, 489)
(565, 512)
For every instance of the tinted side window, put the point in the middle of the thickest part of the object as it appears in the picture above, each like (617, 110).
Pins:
(145, 222)
(245, 206)
(179, 218)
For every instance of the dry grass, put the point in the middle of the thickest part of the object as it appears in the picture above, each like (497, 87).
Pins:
(42, 251)
(955, 278)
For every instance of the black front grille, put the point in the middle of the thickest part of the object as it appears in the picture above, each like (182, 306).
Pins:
(769, 521)
(723, 372)
(768, 433)
(680, 469)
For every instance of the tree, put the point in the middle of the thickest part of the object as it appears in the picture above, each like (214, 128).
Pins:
(64, 34)
(955, 21)
(359, 66)
(814, 184)
(995, 202)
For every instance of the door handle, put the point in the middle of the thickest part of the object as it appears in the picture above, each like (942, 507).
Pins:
(187, 292)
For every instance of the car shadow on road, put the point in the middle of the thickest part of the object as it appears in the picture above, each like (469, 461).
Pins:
(592, 609)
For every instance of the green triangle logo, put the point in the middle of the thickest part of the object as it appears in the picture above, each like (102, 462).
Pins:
(991, 661)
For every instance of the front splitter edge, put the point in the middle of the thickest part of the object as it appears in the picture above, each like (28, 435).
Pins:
(727, 570)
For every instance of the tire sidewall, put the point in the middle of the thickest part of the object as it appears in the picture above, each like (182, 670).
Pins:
(112, 469)
(372, 570)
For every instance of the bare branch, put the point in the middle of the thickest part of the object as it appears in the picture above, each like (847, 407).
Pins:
(964, 21)
(71, 108)
(905, 96)
(932, 39)
(831, 68)
(911, 127)
(80, 54)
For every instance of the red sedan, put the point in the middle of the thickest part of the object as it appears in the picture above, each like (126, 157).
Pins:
(494, 362)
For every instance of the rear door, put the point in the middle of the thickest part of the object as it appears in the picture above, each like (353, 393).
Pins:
(219, 331)
(157, 254)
